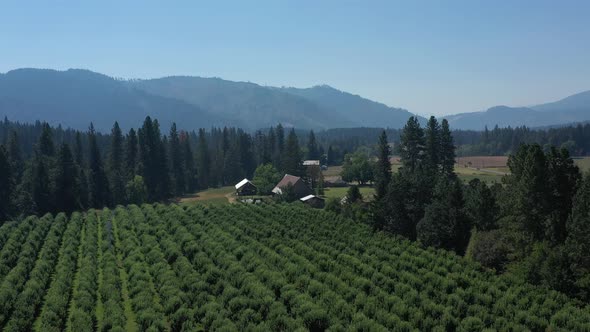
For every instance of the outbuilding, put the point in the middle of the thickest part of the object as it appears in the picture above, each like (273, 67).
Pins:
(313, 201)
(245, 188)
(300, 188)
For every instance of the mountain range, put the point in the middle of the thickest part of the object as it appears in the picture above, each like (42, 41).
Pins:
(572, 109)
(75, 98)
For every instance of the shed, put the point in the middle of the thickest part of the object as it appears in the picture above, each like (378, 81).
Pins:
(245, 188)
(313, 201)
(300, 188)
(311, 163)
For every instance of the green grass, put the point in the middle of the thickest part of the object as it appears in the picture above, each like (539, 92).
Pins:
(583, 163)
(468, 174)
(209, 196)
(339, 192)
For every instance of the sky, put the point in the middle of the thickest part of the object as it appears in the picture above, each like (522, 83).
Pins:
(429, 57)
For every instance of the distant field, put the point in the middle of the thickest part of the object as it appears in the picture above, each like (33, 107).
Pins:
(210, 196)
(483, 161)
(332, 171)
(583, 163)
(340, 192)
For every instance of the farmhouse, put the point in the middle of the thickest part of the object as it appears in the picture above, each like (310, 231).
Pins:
(245, 188)
(313, 201)
(300, 188)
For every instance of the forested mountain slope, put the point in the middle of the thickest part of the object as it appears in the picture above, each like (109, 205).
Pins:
(355, 108)
(74, 98)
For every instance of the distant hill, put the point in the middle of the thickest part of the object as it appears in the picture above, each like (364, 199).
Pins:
(252, 105)
(573, 109)
(354, 108)
(259, 106)
(74, 98)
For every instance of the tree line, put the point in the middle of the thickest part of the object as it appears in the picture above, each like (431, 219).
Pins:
(337, 143)
(45, 169)
(535, 225)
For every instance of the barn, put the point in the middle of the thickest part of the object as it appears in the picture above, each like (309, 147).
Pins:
(300, 188)
(313, 201)
(245, 188)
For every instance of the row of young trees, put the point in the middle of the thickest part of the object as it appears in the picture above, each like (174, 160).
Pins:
(535, 224)
(89, 170)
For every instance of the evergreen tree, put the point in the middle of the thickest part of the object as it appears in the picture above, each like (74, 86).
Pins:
(394, 215)
(5, 184)
(131, 154)
(190, 176)
(433, 144)
(15, 157)
(162, 170)
(79, 150)
(354, 195)
(444, 224)
(66, 182)
(176, 162)
(98, 185)
(279, 149)
(292, 157)
(40, 185)
(525, 204)
(330, 156)
(203, 160)
(246, 154)
(411, 146)
(46, 147)
(383, 169)
(480, 206)
(562, 181)
(447, 150)
(115, 166)
(313, 152)
(578, 240)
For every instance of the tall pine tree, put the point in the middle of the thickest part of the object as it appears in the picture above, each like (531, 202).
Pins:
(411, 146)
(66, 182)
(447, 150)
(5, 184)
(292, 157)
(98, 185)
(176, 162)
(203, 160)
(115, 166)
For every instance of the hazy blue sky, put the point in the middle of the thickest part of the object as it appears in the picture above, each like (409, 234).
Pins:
(431, 57)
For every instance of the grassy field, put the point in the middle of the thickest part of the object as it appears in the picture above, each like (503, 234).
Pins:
(221, 195)
(340, 192)
(583, 163)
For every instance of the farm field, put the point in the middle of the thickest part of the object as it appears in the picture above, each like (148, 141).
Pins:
(221, 195)
(244, 267)
(583, 163)
(339, 192)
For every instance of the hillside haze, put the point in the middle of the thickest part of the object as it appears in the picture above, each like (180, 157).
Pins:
(74, 98)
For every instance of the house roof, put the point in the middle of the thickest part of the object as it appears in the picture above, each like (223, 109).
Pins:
(242, 183)
(308, 197)
(288, 179)
(311, 163)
